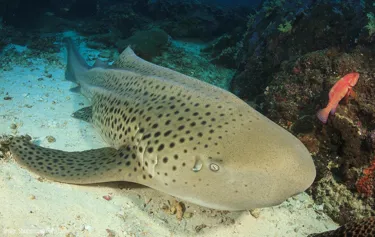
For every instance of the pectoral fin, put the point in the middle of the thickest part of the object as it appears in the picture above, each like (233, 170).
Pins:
(352, 93)
(76, 89)
(84, 114)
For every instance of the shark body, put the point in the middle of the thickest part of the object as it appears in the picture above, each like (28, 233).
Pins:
(175, 134)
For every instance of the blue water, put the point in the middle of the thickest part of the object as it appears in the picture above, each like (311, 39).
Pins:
(235, 3)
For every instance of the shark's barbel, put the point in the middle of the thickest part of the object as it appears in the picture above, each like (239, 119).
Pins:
(175, 134)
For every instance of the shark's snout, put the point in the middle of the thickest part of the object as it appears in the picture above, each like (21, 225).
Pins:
(267, 166)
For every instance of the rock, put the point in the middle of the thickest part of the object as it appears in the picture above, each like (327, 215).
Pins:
(51, 139)
(147, 44)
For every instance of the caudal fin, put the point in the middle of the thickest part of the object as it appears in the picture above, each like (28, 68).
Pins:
(83, 167)
(76, 64)
(323, 114)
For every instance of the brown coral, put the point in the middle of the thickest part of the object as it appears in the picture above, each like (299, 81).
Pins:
(366, 183)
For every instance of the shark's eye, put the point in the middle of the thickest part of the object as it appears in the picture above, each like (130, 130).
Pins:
(214, 167)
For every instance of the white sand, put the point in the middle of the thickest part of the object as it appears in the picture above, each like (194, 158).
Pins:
(35, 207)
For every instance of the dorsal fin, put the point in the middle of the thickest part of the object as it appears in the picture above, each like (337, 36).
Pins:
(128, 60)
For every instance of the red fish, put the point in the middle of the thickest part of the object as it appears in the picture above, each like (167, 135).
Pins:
(342, 88)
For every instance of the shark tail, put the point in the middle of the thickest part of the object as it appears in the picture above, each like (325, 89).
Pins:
(83, 167)
(76, 64)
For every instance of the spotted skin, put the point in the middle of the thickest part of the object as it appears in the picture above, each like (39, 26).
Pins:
(93, 166)
(179, 135)
(361, 228)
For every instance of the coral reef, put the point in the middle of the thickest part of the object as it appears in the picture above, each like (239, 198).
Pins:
(366, 184)
(288, 71)
(44, 44)
(344, 145)
(339, 202)
(309, 26)
(224, 49)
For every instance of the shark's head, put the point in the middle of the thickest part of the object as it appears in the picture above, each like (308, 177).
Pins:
(240, 161)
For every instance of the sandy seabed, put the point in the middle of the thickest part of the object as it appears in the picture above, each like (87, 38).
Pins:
(40, 104)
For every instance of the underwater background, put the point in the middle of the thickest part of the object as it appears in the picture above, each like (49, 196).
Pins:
(281, 57)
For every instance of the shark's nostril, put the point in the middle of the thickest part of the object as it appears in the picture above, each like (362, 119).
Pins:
(197, 165)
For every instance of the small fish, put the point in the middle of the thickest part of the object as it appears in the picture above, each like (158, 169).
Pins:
(342, 88)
